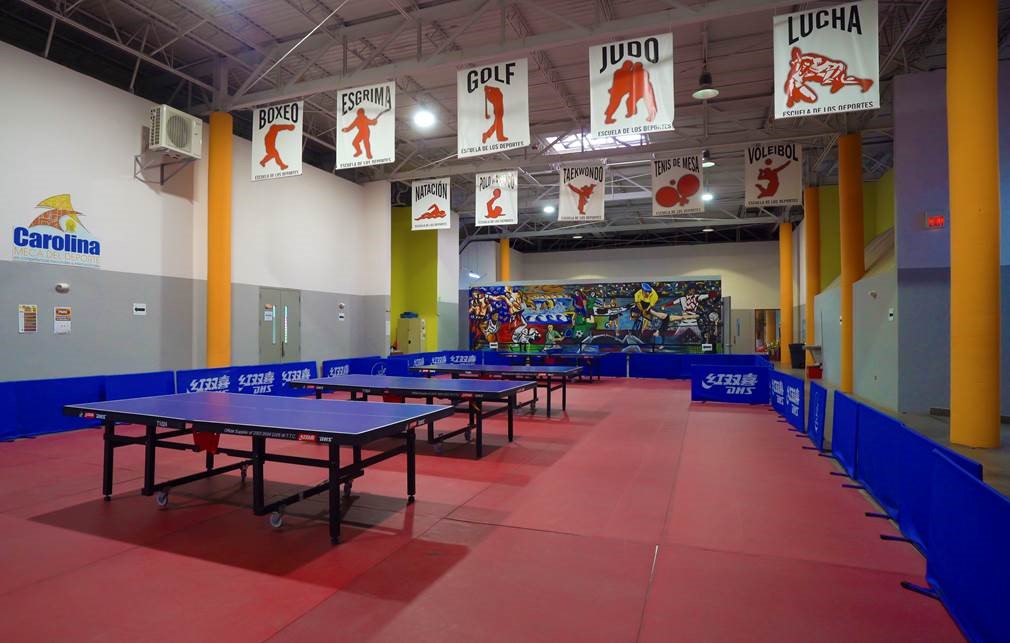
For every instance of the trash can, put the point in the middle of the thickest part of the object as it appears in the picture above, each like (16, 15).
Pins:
(797, 355)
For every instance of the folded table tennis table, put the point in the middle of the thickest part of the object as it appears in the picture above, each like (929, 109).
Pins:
(589, 361)
(550, 378)
(334, 423)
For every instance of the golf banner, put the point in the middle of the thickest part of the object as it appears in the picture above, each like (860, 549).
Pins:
(366, 127)
(631, 86)
(581, 193)
(826, 60)
(493, 108)
(429, 204)
(277, 141)
(773, 175)
(497, 198)
(676, 186)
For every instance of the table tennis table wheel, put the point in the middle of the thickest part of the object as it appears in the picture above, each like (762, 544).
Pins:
(161, 498)
(347, 489)
(438, 445)
(277, 520)
(466, 435)
(242, 472)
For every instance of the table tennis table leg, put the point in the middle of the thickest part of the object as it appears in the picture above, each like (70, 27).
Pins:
(209, 461)
(110, 434)
(319, 394)
(259, 450)
(334, 467)
(479, 412)
(411, 466)
(512, 408)
(150, 435)
(564, 392)
(550, 388)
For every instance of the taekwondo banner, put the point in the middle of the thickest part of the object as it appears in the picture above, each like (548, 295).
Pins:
(366, 126)
(826, 60)
(773, 175)
(631, 86)
(493, 108)
(277, 141)
(498, 198)
(676, 186)
(429, 204)
(581, 193)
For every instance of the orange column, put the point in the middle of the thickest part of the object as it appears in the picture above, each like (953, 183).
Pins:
(812, 257)
(219, 180)
(786, 289)
(973, 157)
(850, 228)
(504, 261)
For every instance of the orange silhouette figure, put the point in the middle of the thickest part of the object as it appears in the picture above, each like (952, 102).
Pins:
(817, 68)
(495, 211)
(631, 83)
(494, 96)
(771, 175)
(584, 193)
(364, 135)
(433, 212)
(270, 142)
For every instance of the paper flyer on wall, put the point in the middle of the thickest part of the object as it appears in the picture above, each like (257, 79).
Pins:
(28, 318)
(430, 207)
(493, 108)
(62, 319)
(366, 125)
(773, 175)
(497, 198)
(581, 192)
(677, 186)
(631, 86)
(277, 141)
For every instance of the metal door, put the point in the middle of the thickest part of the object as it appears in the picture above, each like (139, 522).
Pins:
(280, 325)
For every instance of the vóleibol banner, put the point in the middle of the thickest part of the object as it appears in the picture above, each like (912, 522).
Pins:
(366, 127)
(631, 86)
(57, 236)
(773, 174)
(826, 60)
(493, 108)
(429, 199)
(581, 193)
(676, 186)
(497, 198)
(277, 141)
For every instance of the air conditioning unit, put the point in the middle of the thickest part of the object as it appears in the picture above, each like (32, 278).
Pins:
(176, 133)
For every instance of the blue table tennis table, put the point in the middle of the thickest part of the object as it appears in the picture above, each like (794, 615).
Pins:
(589, 361)
(466, 396)
(550, 378)
(334, 423)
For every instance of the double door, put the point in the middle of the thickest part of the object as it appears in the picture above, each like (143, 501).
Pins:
(280, 325)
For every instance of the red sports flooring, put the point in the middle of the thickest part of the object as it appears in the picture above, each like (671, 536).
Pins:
(636, 517)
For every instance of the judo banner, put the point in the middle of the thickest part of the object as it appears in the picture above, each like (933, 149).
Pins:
(497, 198)
(826, 60)
(581, 193)
(676, 186)
(773, 175)
(366, 126)
(429, 199)
(631, 86)
(493, 108)
(734, 384)
(277, 141)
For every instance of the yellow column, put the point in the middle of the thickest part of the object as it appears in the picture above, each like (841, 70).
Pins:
(786, 289)
(972, 140)
(850, 229)
(504, 261)
(812, 257)
(219, 179)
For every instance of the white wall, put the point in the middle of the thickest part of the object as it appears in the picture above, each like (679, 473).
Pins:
(480, 258)
(449, 264)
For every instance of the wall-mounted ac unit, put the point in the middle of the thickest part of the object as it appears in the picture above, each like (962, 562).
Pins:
(176, 133)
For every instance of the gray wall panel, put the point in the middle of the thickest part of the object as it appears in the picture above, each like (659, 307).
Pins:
(924, 339)
(448, 325)
(875, 352)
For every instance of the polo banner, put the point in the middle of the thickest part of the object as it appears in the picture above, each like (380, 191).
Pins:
(497, 198)
(734, 384)
(826, 60)
(676, 186)
(631, 86)
(277, 141)
(773, 175)
(581, 193)
(366, 126)
(429, 204)
(57, 235)
(493, 108)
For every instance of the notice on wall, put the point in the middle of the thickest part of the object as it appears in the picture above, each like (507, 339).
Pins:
(277, 141)
(580, 196)
(62, 318)
(366, 127)
(493, 108)
(676, 186)
(497, 198)
(773, 175)
(631, 86)
(429, 199)
(28, 318)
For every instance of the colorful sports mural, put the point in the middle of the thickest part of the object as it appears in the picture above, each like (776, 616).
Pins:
(678, 316)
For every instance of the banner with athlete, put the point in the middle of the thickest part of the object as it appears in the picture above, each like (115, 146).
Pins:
(277, 141)
(773, 175)
(429, 204)
(581, 192)
(493, 108)
(498, 198)
(826, 60)
(676, 186)
(631, 86)
(366, 126)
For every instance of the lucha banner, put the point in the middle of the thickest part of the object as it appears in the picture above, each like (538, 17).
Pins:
(277, 141)
(676, 186)
(773, 175)
(581, 193)
(493, 108)
(826, 60)
(366, 126)
(498, 198)
(429, 204)
(631, 86)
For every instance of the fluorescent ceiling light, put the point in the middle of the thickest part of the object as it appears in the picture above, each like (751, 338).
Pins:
(548, 209)
(707, 196)
(708, 229)
(424, 118)
(473, 275)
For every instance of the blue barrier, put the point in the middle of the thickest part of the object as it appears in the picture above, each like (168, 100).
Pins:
(816, 414)
(41, 403)
(121, 387)
(844, 432)
(787, 397)
(203, 379)
(349, 366)
(8, 411)
(290, 371)
(612, 365)
(969, 562)
(725, 383)
(658, 365)
(881, 462)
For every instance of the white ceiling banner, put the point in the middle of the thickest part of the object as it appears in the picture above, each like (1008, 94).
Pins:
(498, 198)
(827, 60)
(366, 127)
(581, 192)
(430, 204)
(493, 108)
(631, 86)
(677, 186)
(277, 141)
(773, 175)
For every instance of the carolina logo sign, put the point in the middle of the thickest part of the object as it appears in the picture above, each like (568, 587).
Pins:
(676, 186)
(581, 193)
(365, 126)
(773, 175)
(430, 204)
(497, 198)
(631, 86)
(277, 141)
(57, 236)
(493, 108)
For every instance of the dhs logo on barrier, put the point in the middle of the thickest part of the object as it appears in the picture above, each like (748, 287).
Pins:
(219, 383)
(339, 370)
(261, 383)
(57, 236)
(297, 374)
(778, 392)
(793, 399)
(732, 383)
(438, 359)
(463, 359)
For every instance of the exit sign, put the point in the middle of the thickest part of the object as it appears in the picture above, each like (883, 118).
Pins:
(935, 221)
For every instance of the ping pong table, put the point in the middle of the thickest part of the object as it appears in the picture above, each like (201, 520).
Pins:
(335, 423)
(474, 394)
(550, 378)
(589, 361)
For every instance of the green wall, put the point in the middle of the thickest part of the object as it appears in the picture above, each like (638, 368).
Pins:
(413, 275)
